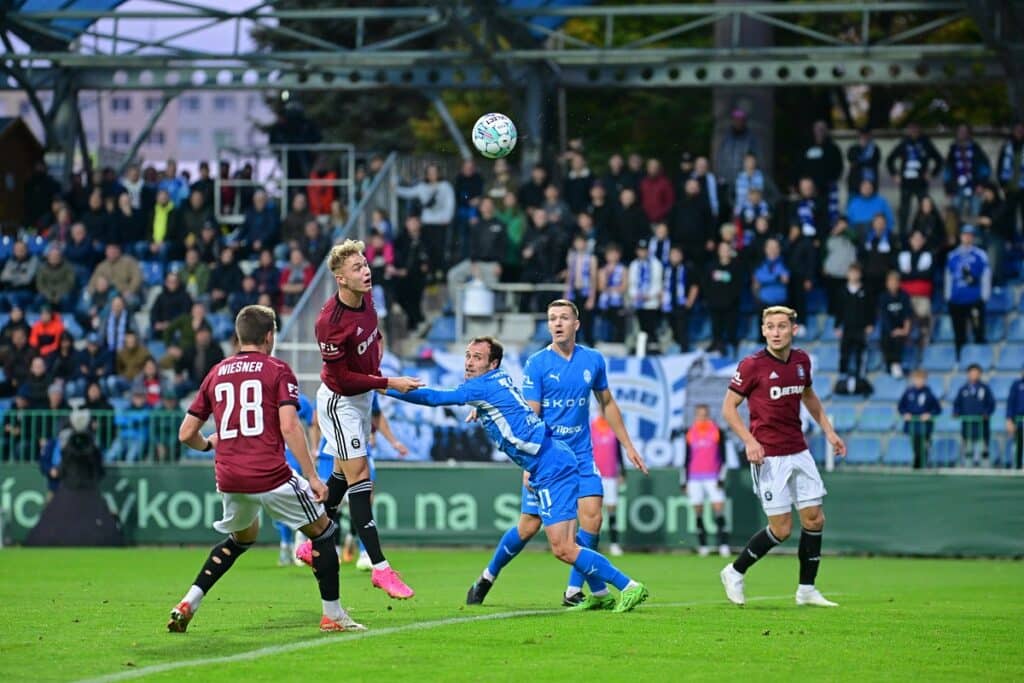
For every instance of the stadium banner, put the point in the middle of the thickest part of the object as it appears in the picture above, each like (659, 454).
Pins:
(886, 513)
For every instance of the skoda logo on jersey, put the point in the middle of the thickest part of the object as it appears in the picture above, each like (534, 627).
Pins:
(580, 402)
(587, 376)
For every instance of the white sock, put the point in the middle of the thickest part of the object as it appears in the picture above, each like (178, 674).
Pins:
(332, 609)
(382, 565)
(285, 546)
(573, 590)
(194, 597)
(488, 575)
(804, 587)
(601, 593)
(631, 584)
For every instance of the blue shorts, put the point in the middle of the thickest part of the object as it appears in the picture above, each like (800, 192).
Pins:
(588, 483)
(556, 501)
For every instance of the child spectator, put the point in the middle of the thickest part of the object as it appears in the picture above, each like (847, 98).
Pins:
(854, 326)
(919, 407)
(612, 283)
(974, 405)
(894, 316)
(132, 430)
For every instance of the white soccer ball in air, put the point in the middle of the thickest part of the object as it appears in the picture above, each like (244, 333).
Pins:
(494, 135)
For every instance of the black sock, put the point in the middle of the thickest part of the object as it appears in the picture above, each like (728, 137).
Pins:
(702, 533)
(613, 529)
(325, 563)
(757, 547)
(336, 517)
(219, 562)
(362, 513)
(336, 487)
(352, 526)
(723, 535)
(810, 556)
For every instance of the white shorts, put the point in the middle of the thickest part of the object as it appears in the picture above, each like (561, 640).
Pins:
(291, 503)
(703, 491)
(783, 481)
(611, 491)
(344, 422)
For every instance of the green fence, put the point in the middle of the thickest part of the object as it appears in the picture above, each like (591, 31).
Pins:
(902, 513)
(130, 435)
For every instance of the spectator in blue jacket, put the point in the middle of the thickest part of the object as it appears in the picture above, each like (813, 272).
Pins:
(863, 207)
(919, 407)
(1015, 420)
(260, 229)
(974, 405)
(132, 430)
(967, 167)
(968, 287)
(771, 278)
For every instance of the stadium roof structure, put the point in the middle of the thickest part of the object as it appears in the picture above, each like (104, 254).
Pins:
(517, 45)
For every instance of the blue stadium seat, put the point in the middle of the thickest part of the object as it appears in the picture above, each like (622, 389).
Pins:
(157, 349)
(939, 358)
(945, 423)
(4, 319)
(945, 452)
(827, 358)
(995, 328)
(937, 383)
(72, 327)
(863, 450)
(899, 451)
(811, 330)
(178, 266)
(816, 444)
(700, 328)
(844, 416)
(823, 383)
(442, 330)
(152, 273)
(943, 331)
(1011, 357)
(749, 328)
(748, 348)
(37, 245)
(976, 353)
(1015, 330)
(6, 247)
(1000, 386)
(1000, 301)
(888, 388)
(119, 403)
(223, 326)
(1001, 451)
(540, 333)
(5, 404)
(877, 418)
(817, 302)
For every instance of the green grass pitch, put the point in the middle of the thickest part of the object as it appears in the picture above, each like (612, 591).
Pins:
(69, 615)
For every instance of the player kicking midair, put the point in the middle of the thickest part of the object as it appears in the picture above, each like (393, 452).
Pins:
(351, 348)
(253, 399)
(774, 381)
(519, 433)
(557, 384)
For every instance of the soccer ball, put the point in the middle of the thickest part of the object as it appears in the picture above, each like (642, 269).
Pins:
(494, 135)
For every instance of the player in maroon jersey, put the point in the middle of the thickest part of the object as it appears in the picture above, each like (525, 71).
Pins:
(254, 400)
(774, 381)
(351, 348)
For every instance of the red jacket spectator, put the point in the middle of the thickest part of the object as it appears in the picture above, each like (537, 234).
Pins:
(656, 193)
(45, 334)
(321, 196)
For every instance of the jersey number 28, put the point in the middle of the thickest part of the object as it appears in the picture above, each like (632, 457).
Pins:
(250, 414)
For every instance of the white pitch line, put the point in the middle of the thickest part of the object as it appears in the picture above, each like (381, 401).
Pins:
(417, 626)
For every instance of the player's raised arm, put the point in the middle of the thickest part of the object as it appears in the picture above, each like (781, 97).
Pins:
(426, 396)
(817, 411)
(612, 413)
(295, 436)
(731, 414)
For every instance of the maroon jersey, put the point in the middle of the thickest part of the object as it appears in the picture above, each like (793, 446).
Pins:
(350, 346)
(773, 389)
(243, 393)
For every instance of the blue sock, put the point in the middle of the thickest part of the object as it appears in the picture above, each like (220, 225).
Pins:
(509, 546)
(286, 533)
(592, 563)
(585, 539)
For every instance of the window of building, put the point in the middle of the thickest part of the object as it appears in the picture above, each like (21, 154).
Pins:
(153, 103)
(156, 138)
(120, 103)
(224, 103)
(120, 138)
(223, 137)
(189, 137)
(190, 104)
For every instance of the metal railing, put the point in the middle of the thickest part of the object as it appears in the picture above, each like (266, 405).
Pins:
(123, 436)
(271, 172)
(296, 343)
